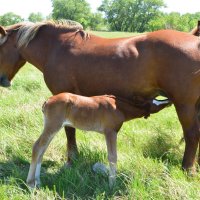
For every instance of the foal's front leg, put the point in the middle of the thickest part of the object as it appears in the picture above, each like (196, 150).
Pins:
(39, 148)
(111, 141)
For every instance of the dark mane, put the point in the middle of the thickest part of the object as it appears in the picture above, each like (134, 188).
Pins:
(27, 31)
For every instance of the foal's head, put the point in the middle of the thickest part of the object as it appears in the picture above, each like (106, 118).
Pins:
(154, 106)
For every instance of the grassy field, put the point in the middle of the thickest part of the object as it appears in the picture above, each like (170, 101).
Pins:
(149, 152)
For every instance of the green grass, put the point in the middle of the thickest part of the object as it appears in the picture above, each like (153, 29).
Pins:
(149, 153)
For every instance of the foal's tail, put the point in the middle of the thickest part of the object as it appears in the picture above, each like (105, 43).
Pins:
(196, 30)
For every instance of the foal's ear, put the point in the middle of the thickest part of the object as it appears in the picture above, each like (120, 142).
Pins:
(2, 31)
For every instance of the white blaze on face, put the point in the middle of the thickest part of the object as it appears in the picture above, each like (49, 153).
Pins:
(158, 103)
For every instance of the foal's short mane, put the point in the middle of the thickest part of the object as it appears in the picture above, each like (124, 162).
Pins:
(27, 31)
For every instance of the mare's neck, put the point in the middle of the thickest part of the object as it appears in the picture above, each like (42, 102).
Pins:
(35, 55)
(38, 52)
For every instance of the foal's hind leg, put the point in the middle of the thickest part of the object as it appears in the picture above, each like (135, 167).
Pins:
(189, 120)
(72, 150)
(111, 141)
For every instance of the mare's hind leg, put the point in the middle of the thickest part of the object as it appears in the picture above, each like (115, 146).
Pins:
(72, 150)
(189, 120)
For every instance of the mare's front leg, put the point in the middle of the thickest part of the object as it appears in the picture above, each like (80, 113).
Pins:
(72, 150)
(189, 120)
(111, 142)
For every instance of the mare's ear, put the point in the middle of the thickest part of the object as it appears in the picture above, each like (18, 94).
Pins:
(3, 35)
(2, 31)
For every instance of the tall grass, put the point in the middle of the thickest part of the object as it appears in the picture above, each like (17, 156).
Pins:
(149, 153)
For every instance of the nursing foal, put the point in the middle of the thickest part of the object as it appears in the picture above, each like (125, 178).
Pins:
(104, 114)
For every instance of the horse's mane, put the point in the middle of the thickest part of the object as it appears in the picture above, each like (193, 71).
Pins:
(27, 31)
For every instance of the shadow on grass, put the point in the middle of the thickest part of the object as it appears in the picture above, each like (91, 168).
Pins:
(79, 181)
(164, 147)
(14, 171)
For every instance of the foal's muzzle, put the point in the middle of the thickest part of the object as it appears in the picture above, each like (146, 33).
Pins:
(4, 82)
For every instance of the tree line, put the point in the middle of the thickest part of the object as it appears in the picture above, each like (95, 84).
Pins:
(114, 15)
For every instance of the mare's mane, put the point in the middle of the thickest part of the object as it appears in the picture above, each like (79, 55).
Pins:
(27, 31)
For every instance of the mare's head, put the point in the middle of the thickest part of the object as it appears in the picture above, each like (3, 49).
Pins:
(10, 58)
(17, 37)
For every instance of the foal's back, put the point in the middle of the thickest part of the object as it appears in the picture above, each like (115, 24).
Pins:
(97, 113)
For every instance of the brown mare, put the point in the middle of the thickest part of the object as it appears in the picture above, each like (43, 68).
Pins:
(104, 114)
(162, 62)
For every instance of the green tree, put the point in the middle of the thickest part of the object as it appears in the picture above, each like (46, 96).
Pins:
(36, 17)
(77, 10)
(130, 15)
(10, 18)
(96, 22)
(157, 23)
(175, 20)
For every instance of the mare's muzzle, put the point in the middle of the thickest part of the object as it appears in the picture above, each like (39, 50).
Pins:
(4, 82)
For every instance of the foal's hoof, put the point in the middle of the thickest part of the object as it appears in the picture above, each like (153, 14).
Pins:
(33, 184)
(112, 182)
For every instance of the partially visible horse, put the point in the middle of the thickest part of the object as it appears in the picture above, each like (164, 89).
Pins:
(104, 114)
(162, 62)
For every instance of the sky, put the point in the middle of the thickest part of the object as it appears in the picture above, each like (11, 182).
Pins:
(25, 7)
